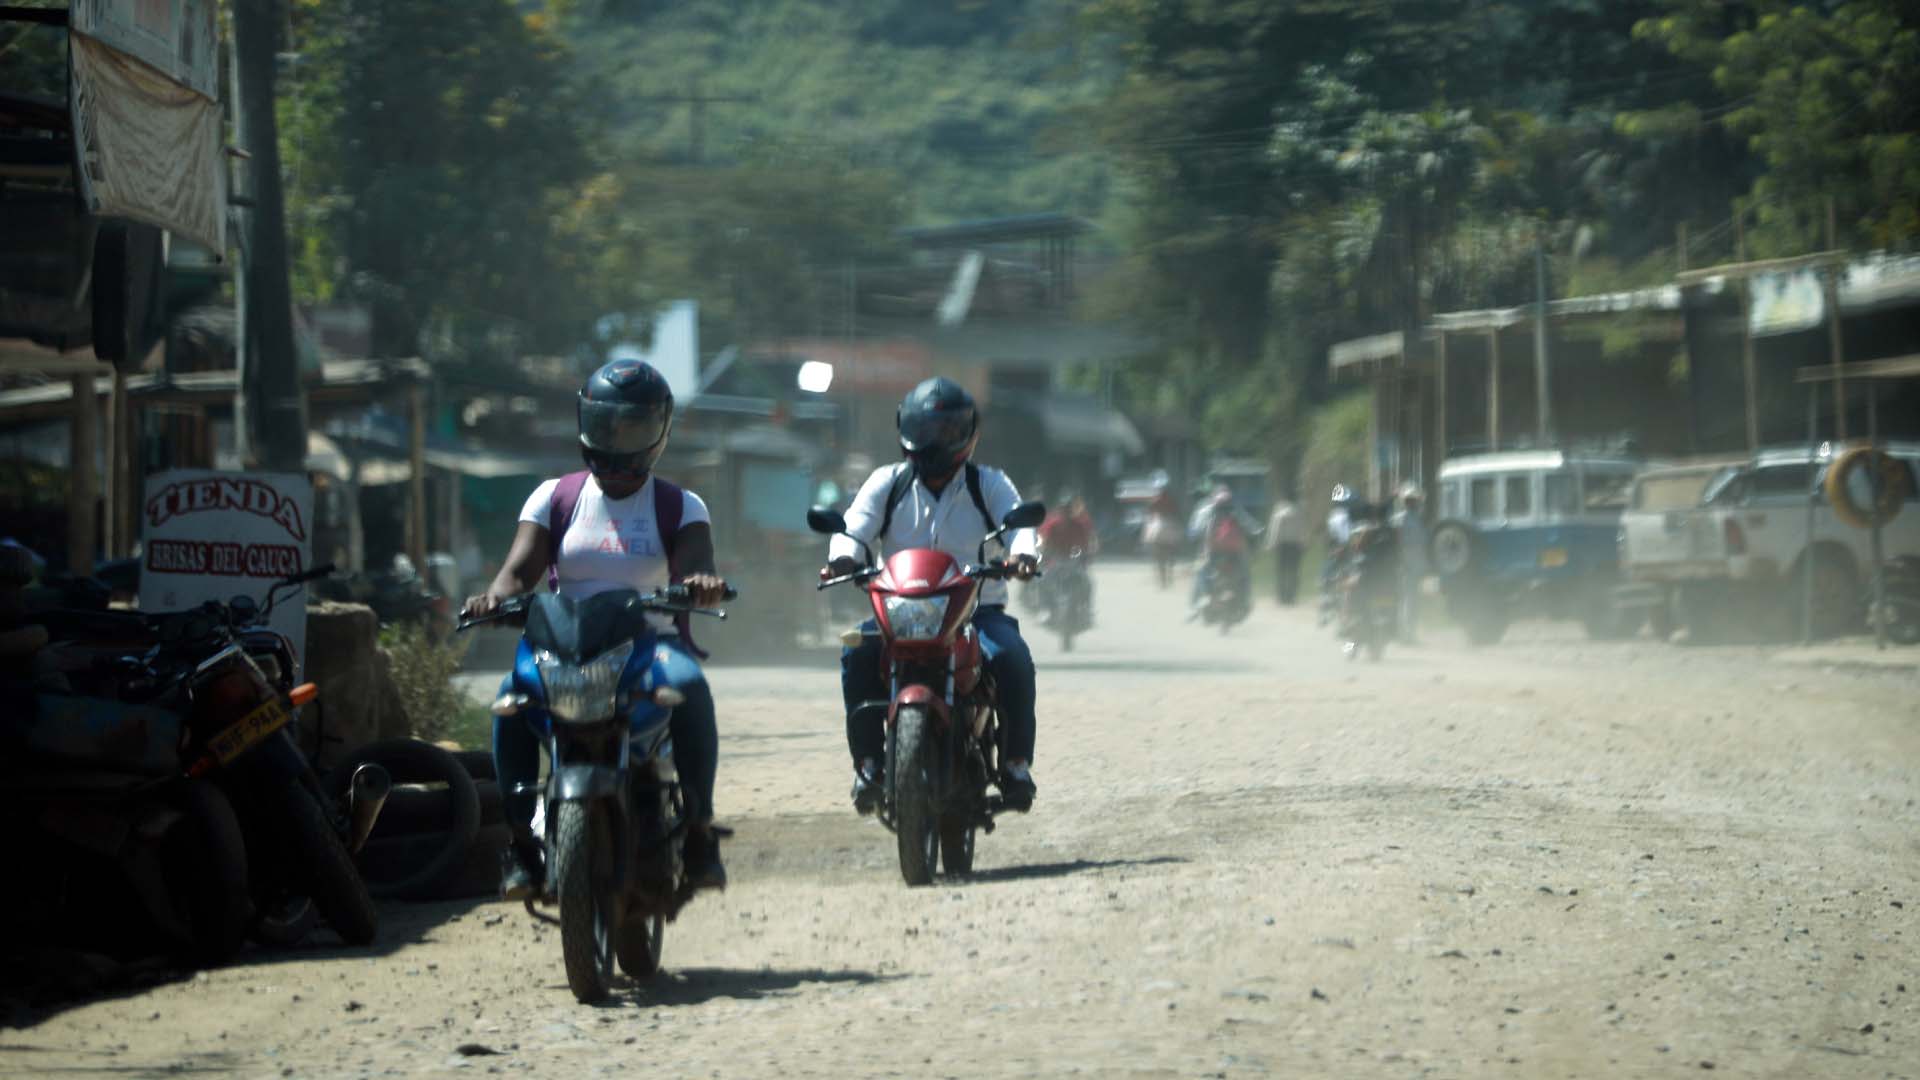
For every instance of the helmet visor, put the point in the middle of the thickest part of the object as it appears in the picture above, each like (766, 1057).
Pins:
(936, 431)
(617, 427)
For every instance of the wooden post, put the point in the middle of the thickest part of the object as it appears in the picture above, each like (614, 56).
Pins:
(417, 476)
(1682, 243)
(1440, 396)
(1542, 379)
(1493, 389)
(1373, 438)
(132, 475)
(1746, 335)
(121, 448)
(82, 482)
(1835, 352)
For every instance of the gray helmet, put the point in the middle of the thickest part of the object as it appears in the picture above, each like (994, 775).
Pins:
(939, 426)
(626, 411)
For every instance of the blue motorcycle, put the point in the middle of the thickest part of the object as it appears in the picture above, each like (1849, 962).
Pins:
(587, 678)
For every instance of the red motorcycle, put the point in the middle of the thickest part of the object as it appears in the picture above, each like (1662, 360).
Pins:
(943, 731)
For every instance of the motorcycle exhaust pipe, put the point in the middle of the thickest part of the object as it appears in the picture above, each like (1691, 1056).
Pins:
(365, 796)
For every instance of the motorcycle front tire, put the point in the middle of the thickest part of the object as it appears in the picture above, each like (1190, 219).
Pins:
(319, 857)
(916, 820)
(586, 915)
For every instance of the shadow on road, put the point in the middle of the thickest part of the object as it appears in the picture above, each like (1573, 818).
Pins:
(697, 986)
(1034, 871)
(39, 983)
(1144, 666)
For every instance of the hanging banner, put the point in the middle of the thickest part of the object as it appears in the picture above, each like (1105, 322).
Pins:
(1785, 303)
(217, 535)
(146, 116)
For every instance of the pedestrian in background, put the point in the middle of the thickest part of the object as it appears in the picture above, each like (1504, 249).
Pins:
(1286, 538)
(1411, 529)
(1160, 535)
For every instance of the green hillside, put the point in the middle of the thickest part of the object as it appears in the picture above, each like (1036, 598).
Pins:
(967, 102)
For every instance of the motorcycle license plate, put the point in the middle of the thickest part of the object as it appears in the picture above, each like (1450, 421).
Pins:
(1553, 557)
(249, 730)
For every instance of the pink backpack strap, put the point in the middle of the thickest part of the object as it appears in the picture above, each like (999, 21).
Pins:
(566, 499)
(669, 511)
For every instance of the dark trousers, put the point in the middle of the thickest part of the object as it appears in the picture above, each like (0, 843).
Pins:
(862, 680)
(696, 740)
(1286, 571)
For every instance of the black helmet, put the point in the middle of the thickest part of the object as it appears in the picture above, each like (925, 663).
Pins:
(938, 426)
(626, 410)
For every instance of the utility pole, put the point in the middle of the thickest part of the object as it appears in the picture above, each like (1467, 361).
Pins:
(274, 413)
(697, 118)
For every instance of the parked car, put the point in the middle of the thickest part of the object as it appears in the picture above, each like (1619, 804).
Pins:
(1531, 532)
(1668, 539)
(1746, 548)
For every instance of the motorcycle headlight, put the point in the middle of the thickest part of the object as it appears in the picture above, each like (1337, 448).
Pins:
(584, 693)
(916, 618)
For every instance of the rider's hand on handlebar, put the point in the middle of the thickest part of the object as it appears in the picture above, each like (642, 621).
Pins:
(478, 607)
(839, 566)
(1023, 567)
(705, 590)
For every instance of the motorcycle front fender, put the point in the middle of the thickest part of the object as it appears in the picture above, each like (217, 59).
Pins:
(923, 696)
(572, 783)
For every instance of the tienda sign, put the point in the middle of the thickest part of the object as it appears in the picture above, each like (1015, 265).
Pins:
(216, 535)
(226, 494)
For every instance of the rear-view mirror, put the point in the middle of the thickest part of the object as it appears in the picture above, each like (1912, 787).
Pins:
(1026, 515)
(825, 519)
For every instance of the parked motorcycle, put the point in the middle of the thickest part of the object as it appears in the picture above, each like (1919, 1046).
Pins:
(128, 857)
(1228, 598)
(230, 677)
(1366, 588)
(585, 677)
(943, 745)
(1069, 597)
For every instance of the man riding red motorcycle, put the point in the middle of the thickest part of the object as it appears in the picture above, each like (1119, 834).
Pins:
(938, 499)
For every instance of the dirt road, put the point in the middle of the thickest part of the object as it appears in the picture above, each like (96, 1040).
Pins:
(1249, 857)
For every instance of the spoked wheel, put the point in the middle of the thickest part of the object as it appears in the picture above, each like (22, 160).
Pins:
(638, 945)
(586, 916)
(916, 824)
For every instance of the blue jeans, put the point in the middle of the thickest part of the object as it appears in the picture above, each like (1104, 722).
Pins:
(1007, 658)
(696, 740)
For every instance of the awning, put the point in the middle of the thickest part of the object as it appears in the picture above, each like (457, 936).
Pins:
(1082, 423)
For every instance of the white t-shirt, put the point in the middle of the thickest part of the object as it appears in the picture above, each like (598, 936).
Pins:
(612, 543)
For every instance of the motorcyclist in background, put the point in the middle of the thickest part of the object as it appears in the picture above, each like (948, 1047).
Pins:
(1068, 528)
(1225, 535)
(1339, 531)
(938, 498)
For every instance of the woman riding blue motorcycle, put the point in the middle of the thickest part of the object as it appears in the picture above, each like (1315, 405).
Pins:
(615, 526)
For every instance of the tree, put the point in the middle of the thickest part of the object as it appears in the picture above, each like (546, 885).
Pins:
(1827, 97)
(433, 146)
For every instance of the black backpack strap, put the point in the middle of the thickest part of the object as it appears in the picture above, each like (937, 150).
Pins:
(979, 500)
(902, 483)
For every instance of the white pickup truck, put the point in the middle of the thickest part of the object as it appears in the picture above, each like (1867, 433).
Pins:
(1712, 546)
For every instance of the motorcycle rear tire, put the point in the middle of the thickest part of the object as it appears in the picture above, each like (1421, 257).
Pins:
(916, 824)
(319, 857)
(638, 944)
(586, 924)
(206, 873)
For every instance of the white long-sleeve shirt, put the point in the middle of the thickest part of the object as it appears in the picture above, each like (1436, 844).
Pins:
(948, 522)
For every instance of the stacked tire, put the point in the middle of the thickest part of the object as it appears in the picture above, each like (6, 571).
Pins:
(441, 831)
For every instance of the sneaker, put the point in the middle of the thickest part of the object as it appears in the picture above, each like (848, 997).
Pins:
(521, 872)
(1017, 788)
(866, 789)
(704, 868)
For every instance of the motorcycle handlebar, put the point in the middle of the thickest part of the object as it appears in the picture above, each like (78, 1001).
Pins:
(672, 600)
